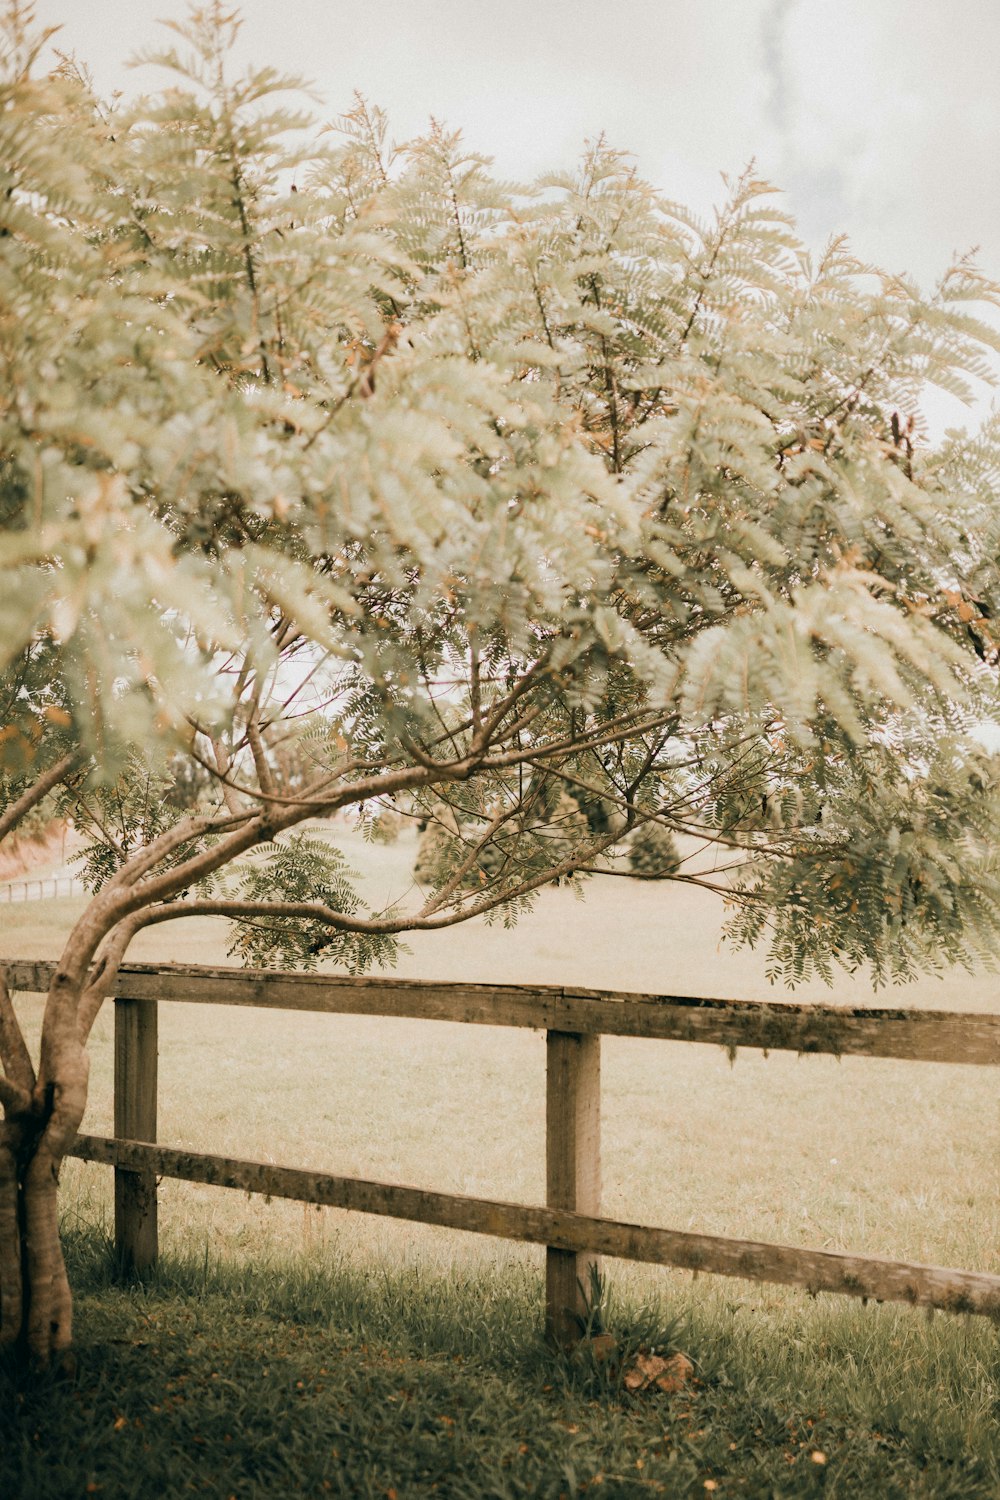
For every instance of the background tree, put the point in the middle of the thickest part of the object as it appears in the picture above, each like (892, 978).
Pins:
(345, 476)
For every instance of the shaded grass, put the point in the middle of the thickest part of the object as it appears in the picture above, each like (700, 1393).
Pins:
(324, 1378)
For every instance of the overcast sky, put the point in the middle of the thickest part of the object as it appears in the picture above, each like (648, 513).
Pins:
(878, 118)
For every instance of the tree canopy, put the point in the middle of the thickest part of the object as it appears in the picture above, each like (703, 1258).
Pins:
(338, 474)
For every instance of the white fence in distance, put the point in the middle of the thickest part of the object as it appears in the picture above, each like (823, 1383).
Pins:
(40, 889)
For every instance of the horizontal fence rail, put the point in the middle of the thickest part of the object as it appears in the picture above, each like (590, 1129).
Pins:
(926, 1036)
(574, 1019)
(870, 1277)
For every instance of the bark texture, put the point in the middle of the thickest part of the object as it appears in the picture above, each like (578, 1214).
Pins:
(43, 1114)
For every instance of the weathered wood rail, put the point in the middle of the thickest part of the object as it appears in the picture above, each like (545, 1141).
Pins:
(574, 1020)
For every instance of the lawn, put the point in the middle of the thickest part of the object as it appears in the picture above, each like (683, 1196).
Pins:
(870, 1155)
(316, 1377)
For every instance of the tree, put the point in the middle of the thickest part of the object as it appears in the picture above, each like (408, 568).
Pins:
(345, 476)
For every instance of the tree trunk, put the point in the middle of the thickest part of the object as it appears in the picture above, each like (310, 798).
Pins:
(48, 1314)
(36, 1308)
(11, 1220)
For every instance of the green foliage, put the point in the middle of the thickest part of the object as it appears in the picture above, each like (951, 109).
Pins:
(346, 466)
(305, 870)
(652, 851)
(468, 844)
(117, 817)
(909, 884)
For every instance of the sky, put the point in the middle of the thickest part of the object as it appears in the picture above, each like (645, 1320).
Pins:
(877, 118)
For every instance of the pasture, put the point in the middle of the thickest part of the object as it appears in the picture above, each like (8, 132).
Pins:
(871, 1155)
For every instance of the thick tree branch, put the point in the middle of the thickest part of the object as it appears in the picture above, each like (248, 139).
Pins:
(34, 794)
(317, 911)
(101, 980)
(173, 838)
(120, 902)
(259, 829)
(14, 1052)
(265, 779)
(222, 767)
(15, 1100)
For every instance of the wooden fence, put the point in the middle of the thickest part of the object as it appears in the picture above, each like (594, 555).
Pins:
(41, 888)
(569, 1225)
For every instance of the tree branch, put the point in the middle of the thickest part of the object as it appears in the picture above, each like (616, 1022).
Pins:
(256, 742)
(101, 981)
(318, 911)
(222, 767)
(14, 1052)
(15, 1100)
(171, 839)
(475, 848)
(37, 792)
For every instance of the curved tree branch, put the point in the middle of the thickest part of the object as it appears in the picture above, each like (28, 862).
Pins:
(35, 793)
(14, 1053)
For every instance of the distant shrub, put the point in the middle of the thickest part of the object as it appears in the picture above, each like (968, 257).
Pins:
(386, 827)
(652, 850)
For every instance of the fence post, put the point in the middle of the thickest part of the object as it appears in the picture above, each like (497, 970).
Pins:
(572, 1170)
(135, 1120)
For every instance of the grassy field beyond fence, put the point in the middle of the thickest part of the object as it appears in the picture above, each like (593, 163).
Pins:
(870, 1155)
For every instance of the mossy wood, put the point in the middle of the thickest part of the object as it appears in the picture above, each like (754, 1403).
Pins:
(817, 1270)
(928, 1036)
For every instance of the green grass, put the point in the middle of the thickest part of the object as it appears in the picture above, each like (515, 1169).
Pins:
(413, 1324)
(318, 1377)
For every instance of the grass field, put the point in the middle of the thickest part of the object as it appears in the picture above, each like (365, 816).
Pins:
(866, 1154)
(869, 1155)
(316, 1377)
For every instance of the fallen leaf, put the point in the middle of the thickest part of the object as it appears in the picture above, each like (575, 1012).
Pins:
(645, 1369)
(678, 1372)
(667, 1375)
